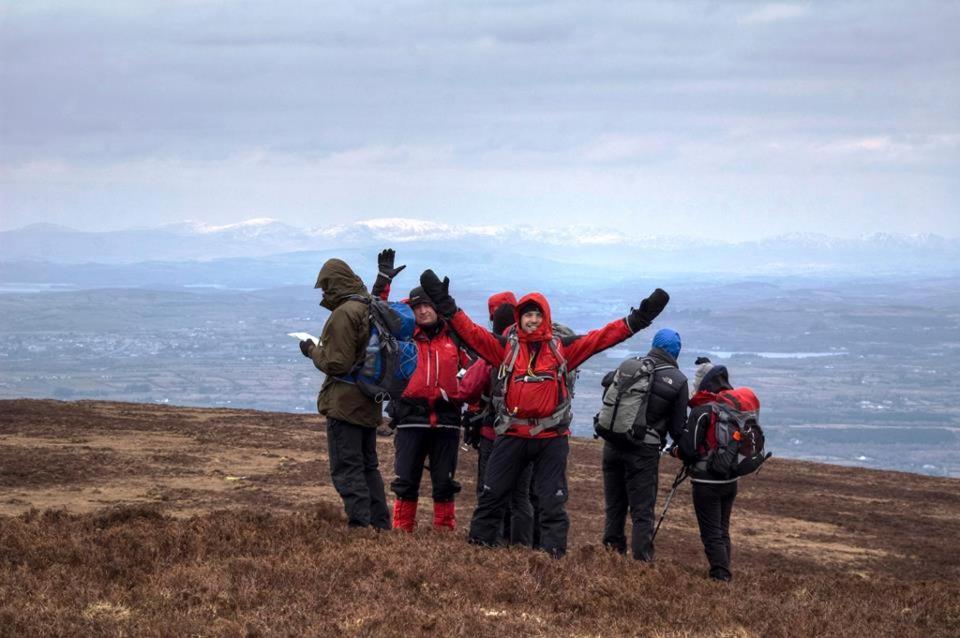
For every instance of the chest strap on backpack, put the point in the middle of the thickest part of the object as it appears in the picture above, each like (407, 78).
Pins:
(561, 415)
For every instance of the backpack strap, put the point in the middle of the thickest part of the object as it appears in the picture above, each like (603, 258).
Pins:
(506, 369)
(457, 341)
(561, 369)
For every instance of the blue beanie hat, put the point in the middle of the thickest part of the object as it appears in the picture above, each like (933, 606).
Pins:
(669, 340)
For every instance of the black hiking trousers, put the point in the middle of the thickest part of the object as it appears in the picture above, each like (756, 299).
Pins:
(713, 503)
(414, 445)
(630, 476)
(354, 470)
(509, 457)
(517, 528)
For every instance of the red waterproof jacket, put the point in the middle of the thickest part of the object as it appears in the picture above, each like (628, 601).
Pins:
(537, 400)
(432, 396)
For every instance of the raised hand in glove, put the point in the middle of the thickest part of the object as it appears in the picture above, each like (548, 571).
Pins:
(306, 346)
(385, 263)
(640, 318)
(439, 292)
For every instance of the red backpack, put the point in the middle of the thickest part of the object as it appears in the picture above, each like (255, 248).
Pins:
(726, 440)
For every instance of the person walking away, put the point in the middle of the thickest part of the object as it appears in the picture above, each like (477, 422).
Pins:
(352, 417)
(533, 403)
(631, 469)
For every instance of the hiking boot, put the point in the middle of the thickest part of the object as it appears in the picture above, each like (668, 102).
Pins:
(444, 516)
(404, 515)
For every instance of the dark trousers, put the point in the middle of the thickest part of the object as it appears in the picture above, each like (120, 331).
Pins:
(630, 482)
(518, 514)
(414, 445)
(509, 457)
(354, 470)
(713, 503)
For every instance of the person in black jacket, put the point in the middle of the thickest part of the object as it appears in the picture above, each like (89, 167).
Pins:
(630, 471)
(713, 496)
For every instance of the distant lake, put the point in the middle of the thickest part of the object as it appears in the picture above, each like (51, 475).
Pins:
(720, 354)
(14, 288)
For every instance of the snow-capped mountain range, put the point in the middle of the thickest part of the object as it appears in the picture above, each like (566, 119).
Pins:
(587, 245)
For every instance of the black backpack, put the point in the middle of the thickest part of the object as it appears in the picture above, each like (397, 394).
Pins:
(726, 440)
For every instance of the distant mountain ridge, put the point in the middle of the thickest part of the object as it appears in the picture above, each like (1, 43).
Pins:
(585, 244)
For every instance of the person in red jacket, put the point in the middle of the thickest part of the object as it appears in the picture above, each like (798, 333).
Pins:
(533, 403)
(427, 420)
(518, 515)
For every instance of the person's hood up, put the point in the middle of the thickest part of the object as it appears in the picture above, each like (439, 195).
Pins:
(715, 380)
(499, 299)
(545, 331)
(338, 282)
(668, 340)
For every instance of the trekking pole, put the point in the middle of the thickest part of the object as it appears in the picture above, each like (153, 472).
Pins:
(681, 476)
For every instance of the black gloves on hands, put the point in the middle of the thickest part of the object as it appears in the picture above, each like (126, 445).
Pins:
(471, 432)
(640, 318)
(306, 346)
(439, 292)
(385, 263)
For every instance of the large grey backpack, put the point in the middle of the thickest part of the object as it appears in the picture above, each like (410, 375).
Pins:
(623, 414)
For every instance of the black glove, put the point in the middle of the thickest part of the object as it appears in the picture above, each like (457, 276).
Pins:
(472, 436)
(439, 292)
(306, 346)
(701, 360)
(385, 263)
(640, 318)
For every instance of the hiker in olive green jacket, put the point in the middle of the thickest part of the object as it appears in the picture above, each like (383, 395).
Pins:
(352, 417)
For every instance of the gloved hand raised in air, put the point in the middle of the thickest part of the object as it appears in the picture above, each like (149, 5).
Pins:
(385, 263)
(640, 318)
(439, 292)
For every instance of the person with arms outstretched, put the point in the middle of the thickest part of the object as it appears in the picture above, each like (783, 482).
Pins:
(532, 402)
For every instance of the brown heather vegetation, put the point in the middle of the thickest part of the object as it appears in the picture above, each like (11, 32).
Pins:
(126, 519)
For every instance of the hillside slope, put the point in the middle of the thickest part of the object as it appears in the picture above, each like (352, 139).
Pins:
(121, 519)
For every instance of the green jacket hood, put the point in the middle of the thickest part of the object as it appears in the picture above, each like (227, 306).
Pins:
(338, 282)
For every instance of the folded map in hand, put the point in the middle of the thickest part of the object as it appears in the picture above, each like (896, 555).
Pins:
(304, 336)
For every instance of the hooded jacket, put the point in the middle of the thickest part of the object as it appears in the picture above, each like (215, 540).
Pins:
(342, 344)
(534, 400)
(500, 299)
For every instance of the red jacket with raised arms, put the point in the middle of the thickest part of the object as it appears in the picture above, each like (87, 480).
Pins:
(537, 400)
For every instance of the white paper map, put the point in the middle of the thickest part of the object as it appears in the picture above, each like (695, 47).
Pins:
(304, 336)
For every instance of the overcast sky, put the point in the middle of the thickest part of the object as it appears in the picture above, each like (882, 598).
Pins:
(728, 119)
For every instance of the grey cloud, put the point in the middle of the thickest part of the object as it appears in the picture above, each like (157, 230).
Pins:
(566, 85)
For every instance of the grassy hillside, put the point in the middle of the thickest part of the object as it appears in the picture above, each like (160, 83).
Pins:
(130, 519)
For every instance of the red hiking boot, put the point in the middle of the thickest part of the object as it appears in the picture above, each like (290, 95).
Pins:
(444, 515)
(404, 515)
